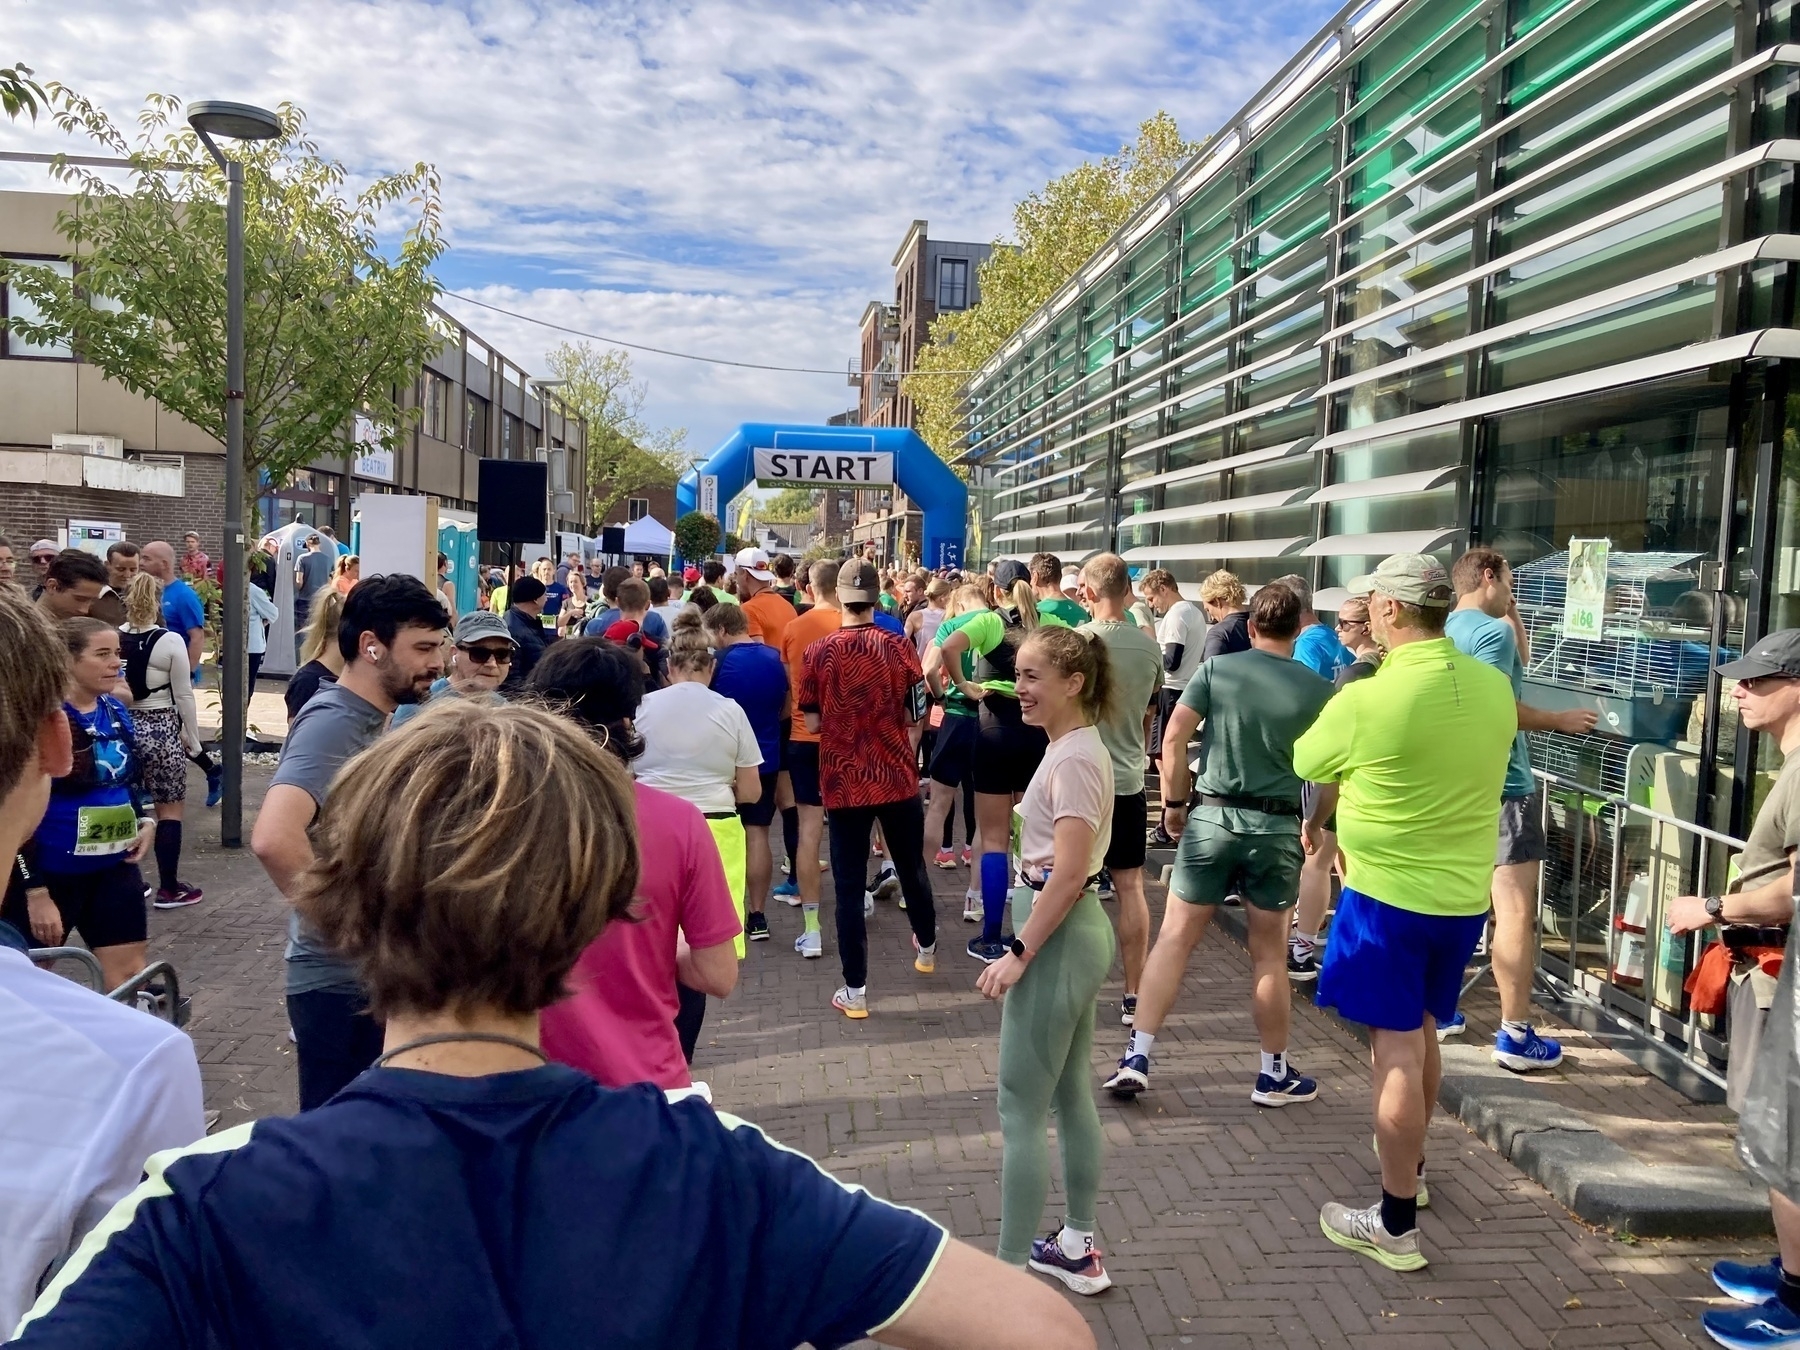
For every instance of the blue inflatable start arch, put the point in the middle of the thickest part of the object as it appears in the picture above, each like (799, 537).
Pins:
(841, 457)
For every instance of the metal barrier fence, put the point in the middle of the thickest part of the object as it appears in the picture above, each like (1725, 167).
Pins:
(1603, 895)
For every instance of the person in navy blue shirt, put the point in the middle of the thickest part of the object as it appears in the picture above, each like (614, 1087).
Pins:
(464, 1191)
(753, 675)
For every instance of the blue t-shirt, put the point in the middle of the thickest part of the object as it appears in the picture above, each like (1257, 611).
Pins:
(755, 678)
(887, 623)
(1319, 650)
(421, 1209)
(182, 609)
(95, 799)
(653, 626)
(1491, 640)
(554, 595)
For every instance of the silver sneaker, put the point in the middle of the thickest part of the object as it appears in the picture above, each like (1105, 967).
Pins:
(1361, 1230)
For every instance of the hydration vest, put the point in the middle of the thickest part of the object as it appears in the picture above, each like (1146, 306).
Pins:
(135, 648)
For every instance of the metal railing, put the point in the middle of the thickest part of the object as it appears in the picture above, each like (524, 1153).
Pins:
(1612, 869)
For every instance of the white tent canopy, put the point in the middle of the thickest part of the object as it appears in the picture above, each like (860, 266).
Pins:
(648, 535)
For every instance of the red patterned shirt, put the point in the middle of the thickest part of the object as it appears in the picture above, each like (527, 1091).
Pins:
(860, 681)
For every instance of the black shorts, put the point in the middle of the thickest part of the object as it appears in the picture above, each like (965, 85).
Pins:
(1006, 756)
(1130, 817)
(1166, 699)
(803, 772)
(762, 810)
(953, 755)
(106, 907)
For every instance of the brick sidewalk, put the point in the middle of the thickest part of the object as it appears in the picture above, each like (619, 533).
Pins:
(1209, 1207)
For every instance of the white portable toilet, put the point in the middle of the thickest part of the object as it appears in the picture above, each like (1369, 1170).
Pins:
(283, 655)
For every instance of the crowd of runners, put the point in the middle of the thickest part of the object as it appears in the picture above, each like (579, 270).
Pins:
(524, 849)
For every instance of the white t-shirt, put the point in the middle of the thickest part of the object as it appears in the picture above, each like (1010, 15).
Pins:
(1075, 778)
(1184, 623)
(93, 1088)
(695, 741)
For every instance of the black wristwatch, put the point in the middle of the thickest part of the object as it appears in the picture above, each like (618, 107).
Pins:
(1715, 908)
(1019, 950)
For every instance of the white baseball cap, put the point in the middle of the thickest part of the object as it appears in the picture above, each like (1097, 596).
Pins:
(756, 562)
(1071, 583)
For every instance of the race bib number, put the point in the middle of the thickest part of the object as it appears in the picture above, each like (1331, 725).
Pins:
(101, 830)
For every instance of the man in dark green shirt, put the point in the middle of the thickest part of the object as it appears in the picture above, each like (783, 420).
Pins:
(1243, 837)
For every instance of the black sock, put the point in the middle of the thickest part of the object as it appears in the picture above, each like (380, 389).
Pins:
(950, 826)
(168, 852)
(1789, 1291)
(790, 833)
(1399, 1214)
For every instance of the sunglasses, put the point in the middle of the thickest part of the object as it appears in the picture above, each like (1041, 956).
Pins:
(1756, 684)
(1352, 623)
(483, 656)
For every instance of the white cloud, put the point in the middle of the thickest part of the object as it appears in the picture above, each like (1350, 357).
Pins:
(721, 175)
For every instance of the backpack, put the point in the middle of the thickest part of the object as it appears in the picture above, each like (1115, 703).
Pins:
(135, 648)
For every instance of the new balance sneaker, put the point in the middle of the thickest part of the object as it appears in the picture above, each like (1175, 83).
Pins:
(1769, 1326)
(788, 892)
(887, 882)
(179, 898)
(1748, 1284)
(756, 927)
(1128, 1010)
(1361, 1230)
(1083, 1274)
(853, 1006)
(1454, 1027)
(810, 945)
(1130, 1078)
(1105, 887)
(1524, 1054)
(1423, 1199)
(946, 858)
(215, 784)
(1272, 1091)
(1303, 962)
(971, 907)
(924, 958)
(989, 952)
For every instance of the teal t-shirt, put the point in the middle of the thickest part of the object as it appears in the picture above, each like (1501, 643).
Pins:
(1064, 611)
(1491, 640)
(1137, 674)
(1254, 705)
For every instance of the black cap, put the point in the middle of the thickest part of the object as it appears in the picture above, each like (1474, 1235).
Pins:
(1009, 572)
(1776, 654)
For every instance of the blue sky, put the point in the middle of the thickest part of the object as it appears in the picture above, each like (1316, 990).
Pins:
(724, 178)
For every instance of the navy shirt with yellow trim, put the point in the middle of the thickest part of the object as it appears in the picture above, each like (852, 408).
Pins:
(521, 1209)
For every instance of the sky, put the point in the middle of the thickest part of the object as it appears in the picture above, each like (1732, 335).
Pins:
(728, 179)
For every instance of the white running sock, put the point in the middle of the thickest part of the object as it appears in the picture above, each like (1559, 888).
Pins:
(856, 991)
(1519, 1029)
(1074, 1241)
(1141, 1041)
(1275, 1065)
(1306, 939)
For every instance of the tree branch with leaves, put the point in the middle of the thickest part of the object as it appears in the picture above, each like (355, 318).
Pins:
(625, 455)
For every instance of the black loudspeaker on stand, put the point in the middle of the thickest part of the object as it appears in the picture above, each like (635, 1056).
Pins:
(514, 504)
(612, 539)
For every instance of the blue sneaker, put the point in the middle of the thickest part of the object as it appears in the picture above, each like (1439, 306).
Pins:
(1454, 1027)
(1527, 1053)
(789, 891)
(1748, 1284)
(1771, 1326)
(989, 952)
(1271, 1091)
(1131, 1078)
(1083, 1275)
(215, 785)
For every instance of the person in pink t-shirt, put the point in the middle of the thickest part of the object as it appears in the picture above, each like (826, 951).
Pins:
(618, 1023)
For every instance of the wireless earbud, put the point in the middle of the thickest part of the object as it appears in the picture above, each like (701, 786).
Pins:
(371, 653)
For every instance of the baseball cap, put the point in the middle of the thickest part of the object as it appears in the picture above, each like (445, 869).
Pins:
(1071, 583)
(858, 583)
(46, 546)
(690, 575)
(480, 625)
(755, 562)
(1776, 654)
(1008, 572)
(621, 630)
(1412, 578)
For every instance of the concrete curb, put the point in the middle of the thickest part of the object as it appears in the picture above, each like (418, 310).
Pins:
(1565, 1153)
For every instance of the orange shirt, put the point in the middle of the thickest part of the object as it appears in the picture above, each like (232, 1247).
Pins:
(801, 633)
(769, 617)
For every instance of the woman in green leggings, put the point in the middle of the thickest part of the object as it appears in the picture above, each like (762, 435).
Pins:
(1060, 956)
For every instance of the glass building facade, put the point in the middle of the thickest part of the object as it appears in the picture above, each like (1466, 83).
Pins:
(1510, 272)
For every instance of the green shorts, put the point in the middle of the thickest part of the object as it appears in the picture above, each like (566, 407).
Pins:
(1212, 862)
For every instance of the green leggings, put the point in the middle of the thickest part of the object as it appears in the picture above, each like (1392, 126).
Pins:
(1046, 1036)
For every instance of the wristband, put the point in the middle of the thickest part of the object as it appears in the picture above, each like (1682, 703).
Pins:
(24, 870)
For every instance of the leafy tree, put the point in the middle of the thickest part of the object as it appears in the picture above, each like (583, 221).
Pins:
(789, 506)
(624, 454)
(334, 325)
(19, 93)
(1056, 229)
(696, 536)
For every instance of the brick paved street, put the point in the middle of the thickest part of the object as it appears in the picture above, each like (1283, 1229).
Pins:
(1209, 1211)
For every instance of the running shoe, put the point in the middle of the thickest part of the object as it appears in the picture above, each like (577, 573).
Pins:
(1131, 1077)
(756, 927)
(1361, 1230)
(876, 848)
(1454, 1027)
(853, 1006)
(788, 891)
(1105, 887)
(1272, 1091)
(1128, 1010)
(1769, 1326)
(1083, 1274)
(1303, 962)
(1234, 901)
(1161, 838)
(215, 784)
(1524, 1054)
(1748, 1284)
(924, 958)
(810, 945)
(887, 882)
(946, 858)
(989, 952)
(179, 898)
(968, 856)
(971, 907)
(1424, 1197)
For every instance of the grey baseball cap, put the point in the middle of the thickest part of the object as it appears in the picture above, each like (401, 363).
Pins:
(1412, 578)
(480, 625)
(858, 583)
(1776, 654)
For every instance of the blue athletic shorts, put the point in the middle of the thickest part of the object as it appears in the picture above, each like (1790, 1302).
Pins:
(1387, 967)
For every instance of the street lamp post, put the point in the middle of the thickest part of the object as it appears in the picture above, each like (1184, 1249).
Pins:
(242, 122)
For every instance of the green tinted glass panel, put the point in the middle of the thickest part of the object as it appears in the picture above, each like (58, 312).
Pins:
(1585, 39)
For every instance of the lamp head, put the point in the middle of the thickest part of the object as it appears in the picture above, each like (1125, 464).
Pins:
(236, 121)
